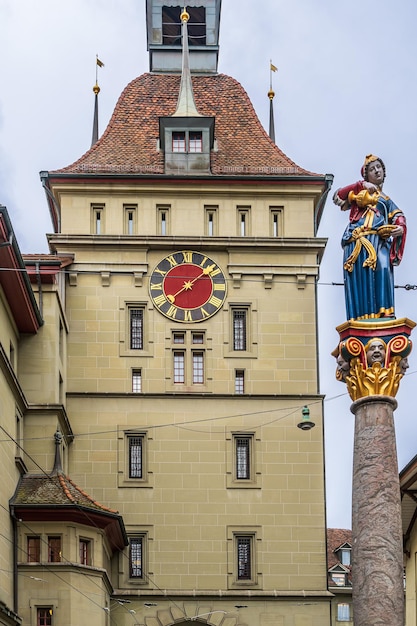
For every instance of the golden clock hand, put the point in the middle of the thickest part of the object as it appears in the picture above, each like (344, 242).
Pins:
(189, 283)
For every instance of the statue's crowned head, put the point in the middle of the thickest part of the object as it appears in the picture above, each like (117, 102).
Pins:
(370, 158)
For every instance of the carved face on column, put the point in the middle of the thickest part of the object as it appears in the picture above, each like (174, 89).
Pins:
(375, 352)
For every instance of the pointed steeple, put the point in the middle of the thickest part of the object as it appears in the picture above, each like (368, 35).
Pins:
(271, 95)
(186, 106)
(94, 137)
(96, 90)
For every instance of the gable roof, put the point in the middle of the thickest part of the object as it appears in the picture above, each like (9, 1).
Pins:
(130, 142)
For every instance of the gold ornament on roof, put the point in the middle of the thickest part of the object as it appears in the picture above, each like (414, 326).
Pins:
(184, 15)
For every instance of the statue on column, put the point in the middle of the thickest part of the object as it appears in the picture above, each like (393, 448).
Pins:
(373, 243)
(374, 345)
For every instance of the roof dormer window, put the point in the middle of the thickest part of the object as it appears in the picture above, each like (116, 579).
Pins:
(178, 141)
(187, 141)
(195, 141)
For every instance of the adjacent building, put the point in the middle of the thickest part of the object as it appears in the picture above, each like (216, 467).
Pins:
(165, 354)
(339, 552)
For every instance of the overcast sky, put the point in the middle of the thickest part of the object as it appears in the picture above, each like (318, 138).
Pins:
(346, 86)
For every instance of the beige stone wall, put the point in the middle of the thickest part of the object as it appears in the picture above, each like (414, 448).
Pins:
(187, 208)
(11, 410)
(185, 504)
(42, 363)
(188, 507)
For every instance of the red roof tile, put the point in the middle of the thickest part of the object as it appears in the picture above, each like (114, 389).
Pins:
(129, 144)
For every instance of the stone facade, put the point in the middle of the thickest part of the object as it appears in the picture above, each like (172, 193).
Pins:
(185, 431)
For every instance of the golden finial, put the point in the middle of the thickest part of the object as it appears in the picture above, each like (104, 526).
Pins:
(96, 89)
(271, 94)
(184, 15)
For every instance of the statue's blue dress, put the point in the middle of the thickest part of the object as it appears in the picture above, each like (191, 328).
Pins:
(369, 254)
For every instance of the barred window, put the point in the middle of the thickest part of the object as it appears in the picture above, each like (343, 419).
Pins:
(179, 367)
(243, 450)
(198, 368)
(136, 329)
(244, 557)
(239, 329)
(135, 557)
(136, 381)
(135, 456)
(239, 382)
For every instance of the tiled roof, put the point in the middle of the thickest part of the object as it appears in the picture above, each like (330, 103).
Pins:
(129, 144)
(337, 537)
(53, 490)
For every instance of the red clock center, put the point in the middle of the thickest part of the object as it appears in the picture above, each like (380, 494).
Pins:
(187, 286)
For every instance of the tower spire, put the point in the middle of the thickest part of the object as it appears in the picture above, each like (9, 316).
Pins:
(186, 106)
(271, 94)
(96, 90)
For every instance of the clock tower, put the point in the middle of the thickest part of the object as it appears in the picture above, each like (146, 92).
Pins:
(192, 257)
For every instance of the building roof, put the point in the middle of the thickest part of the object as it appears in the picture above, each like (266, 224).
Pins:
(14, 280)
(54, 489)
(338, 538)
(130, 142)
(55, 497)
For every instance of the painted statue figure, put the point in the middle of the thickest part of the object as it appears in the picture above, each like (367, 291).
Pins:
(373, 243)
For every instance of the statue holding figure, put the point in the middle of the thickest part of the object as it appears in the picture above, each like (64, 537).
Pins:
(373, 243)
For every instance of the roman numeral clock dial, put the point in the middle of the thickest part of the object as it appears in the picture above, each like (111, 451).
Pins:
(187, 286)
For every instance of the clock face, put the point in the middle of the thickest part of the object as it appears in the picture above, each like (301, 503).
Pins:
(187, 286)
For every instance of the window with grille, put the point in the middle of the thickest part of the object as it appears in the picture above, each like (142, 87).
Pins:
(239, 382)
(54, 549)
(179, 367)
(34, 549)
(198, 367)
(44, 616)
(135, 557)
(239, 328)
(244, 557)
(85, 551)
(135, 456)
(136, 381)
(243, 456)
(136, 328)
